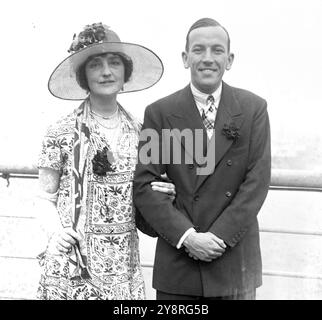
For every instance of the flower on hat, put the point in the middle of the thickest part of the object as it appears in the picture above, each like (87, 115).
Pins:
(92, 33)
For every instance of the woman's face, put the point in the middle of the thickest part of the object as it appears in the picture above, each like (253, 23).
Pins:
(105, 74)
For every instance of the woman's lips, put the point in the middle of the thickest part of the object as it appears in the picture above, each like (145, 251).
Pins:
(106, 82)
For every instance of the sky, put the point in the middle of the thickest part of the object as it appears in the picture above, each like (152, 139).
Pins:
(276, 44)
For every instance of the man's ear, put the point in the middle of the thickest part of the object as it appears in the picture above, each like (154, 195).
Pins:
(230, 61)
(185, 59)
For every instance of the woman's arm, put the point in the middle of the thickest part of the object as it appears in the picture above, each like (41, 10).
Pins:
(47, 199)
(49, 180)
(60, 240)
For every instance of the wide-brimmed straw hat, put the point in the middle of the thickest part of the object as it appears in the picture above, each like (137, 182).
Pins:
(98, 39)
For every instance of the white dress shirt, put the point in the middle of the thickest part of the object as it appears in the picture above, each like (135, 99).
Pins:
(201, 102)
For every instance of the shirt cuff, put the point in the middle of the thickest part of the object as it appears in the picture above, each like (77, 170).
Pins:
(185, 235)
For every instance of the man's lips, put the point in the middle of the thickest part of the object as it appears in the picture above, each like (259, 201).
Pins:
(207, 69)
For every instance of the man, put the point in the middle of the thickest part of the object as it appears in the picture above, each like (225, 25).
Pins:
(208, 238)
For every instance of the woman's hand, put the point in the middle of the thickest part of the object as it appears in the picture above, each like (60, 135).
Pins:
(164, 187)
(61, 242)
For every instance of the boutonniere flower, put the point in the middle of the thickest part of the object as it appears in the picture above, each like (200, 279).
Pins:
(103, 162)
(231, 131)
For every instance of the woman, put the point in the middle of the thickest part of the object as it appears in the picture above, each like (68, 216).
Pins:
(86, 171)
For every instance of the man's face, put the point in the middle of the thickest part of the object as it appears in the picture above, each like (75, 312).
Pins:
(208, 57)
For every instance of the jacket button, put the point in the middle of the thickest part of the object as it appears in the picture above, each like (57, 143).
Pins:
(196, 198)
(229, 162)
(191, 166)
(228, 194)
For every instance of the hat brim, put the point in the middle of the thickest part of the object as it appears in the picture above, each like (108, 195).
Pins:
(147, 69)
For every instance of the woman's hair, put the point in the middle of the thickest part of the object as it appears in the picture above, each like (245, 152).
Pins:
(81, 74)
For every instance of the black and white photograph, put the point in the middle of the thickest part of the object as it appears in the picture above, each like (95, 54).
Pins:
(161, 150)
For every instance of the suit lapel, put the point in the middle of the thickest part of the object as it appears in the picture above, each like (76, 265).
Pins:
(229, 111)
(186, 115)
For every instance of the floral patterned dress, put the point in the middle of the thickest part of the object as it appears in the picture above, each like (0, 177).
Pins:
(110, 240)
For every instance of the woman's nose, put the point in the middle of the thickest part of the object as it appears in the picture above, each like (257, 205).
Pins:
(106, 71)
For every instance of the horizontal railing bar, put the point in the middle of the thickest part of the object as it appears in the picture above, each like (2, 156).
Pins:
(306, 189)
(19, 169)
(279, 188)
(274, 273)
(267, 273)
(286, 274)
(15, 257)
(14, 298)
(267, 230)
(147, 264)
(17, 217)
(296, 178)
(290, 231)
(303, 180)
(23, 176)
(6, 175)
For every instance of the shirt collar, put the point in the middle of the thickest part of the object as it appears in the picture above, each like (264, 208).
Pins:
(201, 97)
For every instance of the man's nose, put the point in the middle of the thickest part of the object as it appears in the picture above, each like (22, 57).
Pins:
(208, 57)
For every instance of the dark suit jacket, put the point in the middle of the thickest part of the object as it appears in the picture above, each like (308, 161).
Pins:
(225, 203)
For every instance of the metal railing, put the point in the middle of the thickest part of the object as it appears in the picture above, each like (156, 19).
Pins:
(283, 180)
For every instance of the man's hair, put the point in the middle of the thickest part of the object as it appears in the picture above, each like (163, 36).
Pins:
(81, 74)
(205, 22)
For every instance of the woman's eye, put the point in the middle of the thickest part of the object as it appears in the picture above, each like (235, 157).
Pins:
(93, 64)
(115, 63)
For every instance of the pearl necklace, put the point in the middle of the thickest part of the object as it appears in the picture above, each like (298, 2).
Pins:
(113, 115)
(111, 123)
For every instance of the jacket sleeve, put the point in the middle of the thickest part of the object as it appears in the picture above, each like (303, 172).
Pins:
(143, 226)
(156, 208)
(234, 221)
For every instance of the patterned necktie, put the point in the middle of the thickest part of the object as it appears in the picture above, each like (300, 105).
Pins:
(208, 116)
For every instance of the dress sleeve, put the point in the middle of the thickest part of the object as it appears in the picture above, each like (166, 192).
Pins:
(50, 154)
